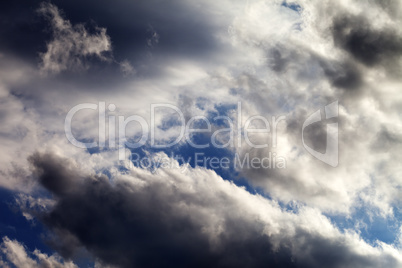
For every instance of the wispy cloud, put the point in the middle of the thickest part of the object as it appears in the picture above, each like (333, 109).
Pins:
(71, 44)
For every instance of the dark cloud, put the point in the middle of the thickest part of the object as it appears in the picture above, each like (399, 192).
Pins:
(386, 140)
(46, 166)
(390, 6)
(181, 28)
(320, 252)
(345, 75)
(130, 225)
(283, 57)
(278, 62)
(315, 136)
(368, 45)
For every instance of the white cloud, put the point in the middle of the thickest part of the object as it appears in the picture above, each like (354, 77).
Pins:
(16, 254)
(71, 44)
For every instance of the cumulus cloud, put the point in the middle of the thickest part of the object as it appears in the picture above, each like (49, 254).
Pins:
(315, 54)
(17, 256)
(192, 219)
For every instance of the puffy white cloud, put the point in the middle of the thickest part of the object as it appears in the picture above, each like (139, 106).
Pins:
(16, 254)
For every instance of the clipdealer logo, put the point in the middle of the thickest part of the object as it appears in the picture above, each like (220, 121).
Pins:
(236, 130)
(330, 156)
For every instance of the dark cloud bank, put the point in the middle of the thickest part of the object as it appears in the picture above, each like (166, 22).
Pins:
(129, 225)
(367, 45)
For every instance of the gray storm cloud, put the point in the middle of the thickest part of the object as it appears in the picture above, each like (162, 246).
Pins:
(194, 219)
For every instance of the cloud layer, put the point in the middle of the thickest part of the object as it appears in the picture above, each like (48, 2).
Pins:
(277, 58)
(191, 219)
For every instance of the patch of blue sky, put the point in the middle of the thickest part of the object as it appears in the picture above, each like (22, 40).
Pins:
(170, 121)
(15, 226)
(201, 103)
(292, 5)
(294, 10)
(371, 225)
(224, 109)
(185, 153)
